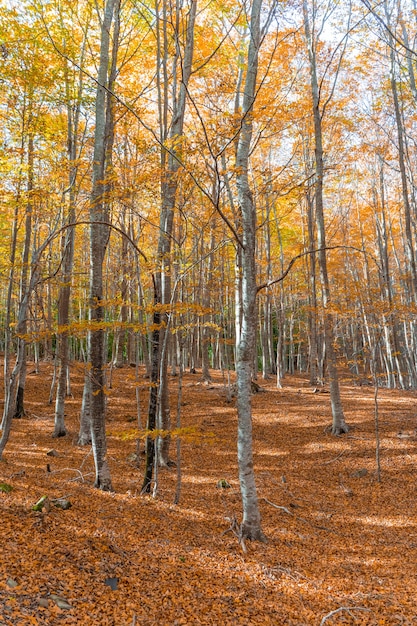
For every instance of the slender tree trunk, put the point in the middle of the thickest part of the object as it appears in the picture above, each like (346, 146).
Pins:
(206, 333)
(7, 330)
(67, 263)
(84, 434)
(280, 307)
(409, 248)
(9, 410)
(387, 287)
(251, 523)
(339, 425)
(99, 235)
(121, 335)
(170, 164)
(153, 395)
(312, 316)
(19, 398)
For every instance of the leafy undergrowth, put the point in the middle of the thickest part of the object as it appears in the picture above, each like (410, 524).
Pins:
(342, 547)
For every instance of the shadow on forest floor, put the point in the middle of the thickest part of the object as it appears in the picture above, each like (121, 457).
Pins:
(337, 537)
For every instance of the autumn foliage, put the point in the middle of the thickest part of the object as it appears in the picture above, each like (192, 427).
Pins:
(200, 202)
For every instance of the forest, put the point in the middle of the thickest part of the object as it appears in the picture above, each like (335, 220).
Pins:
(208, 211)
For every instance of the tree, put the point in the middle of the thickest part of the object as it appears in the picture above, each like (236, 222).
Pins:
(339, 425)
(158, 412)
(246, 342)
(99, 236)
(73, 96)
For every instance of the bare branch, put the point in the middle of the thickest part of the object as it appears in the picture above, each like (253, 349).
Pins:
(348, 609)
(269, 283)
(148, 128)
(389, 30)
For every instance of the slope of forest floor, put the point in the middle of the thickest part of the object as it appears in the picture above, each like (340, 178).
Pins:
(342, 546)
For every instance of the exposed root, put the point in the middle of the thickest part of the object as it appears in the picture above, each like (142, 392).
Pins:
(84, 440)
(244, 532)
(60, 432)
(250, 533)
(340, 429)
(300, 519)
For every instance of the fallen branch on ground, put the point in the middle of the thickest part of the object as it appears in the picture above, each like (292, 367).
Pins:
(301, 519)
(68, 469)
(333, 460)
(276, 506)
(348, 609)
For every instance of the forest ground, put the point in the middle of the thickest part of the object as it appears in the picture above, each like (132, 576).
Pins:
(342, 547)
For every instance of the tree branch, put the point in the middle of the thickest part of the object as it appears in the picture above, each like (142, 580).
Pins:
(269, 283)
(371, 10)
(124, 104)
(348, 609)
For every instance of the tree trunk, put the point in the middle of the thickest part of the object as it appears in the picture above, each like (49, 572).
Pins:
(7, 331)
(170, 165)
(312, 314)
(68, 259)
(153, 397)
(251, 523)
(9, 409)
(409, 248)
(19, 398)
(206, 286)
(339, 425)
(84, 434)
(99, 235)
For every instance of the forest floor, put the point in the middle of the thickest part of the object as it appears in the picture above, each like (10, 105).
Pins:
(342, 547)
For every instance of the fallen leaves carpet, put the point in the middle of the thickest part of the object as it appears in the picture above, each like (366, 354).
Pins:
(341, 548)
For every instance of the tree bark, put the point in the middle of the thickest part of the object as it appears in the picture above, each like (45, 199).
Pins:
(18, 399)
(170, 164)
(99, 235)
(251, 523)
(68, 258)
(7, 330)
(410, 249)
(339, 425)
(153, 396)
(9, 409)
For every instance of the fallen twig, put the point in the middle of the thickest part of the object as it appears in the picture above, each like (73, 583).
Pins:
(347, 490)
(301, 519)
(276, 506)
(68, 469)
(333, 460)
(348, 609)
(41, 417)
(21, 472)
(86, 456)
(280, 570)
